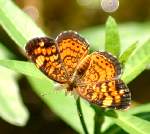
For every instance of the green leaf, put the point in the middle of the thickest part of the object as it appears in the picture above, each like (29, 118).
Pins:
(23, 29)
(137, 62)
(114, 129)
(64, 106)
(129, 32)
(5, 53)
(112, 39)
(10, 98)
(109, 126)
(23, 67)
(54, 100)
(129, 123)
(12, 108)
(95, 37)
(124, 57)
(140, 109)
(17, 24)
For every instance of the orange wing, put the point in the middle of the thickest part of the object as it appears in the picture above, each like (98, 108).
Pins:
(57, 58)
(73, 48)
(98, 82)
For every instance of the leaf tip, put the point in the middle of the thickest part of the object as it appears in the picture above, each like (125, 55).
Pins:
(110, 20)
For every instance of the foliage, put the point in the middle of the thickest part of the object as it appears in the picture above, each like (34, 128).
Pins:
(135, 59)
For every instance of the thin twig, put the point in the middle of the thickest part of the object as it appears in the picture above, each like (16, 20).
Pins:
(80, 113)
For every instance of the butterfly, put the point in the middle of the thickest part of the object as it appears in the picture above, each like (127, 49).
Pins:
(95, 77)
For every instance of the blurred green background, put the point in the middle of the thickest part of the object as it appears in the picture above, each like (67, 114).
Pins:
(54, 16)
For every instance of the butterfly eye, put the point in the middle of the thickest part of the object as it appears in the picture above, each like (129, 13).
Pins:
(109, 5)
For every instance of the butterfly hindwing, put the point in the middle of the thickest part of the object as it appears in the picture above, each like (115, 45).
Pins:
(99, 82)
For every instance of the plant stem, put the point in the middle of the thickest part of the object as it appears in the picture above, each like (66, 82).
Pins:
(80, 113)
(98, 119)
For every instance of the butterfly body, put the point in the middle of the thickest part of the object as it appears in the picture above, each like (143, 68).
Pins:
(94, 77)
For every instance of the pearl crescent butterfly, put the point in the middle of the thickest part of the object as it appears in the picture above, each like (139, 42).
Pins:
(94, 77)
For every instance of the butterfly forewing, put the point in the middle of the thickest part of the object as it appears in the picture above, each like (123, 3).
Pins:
(73, 48)
(43, 52)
